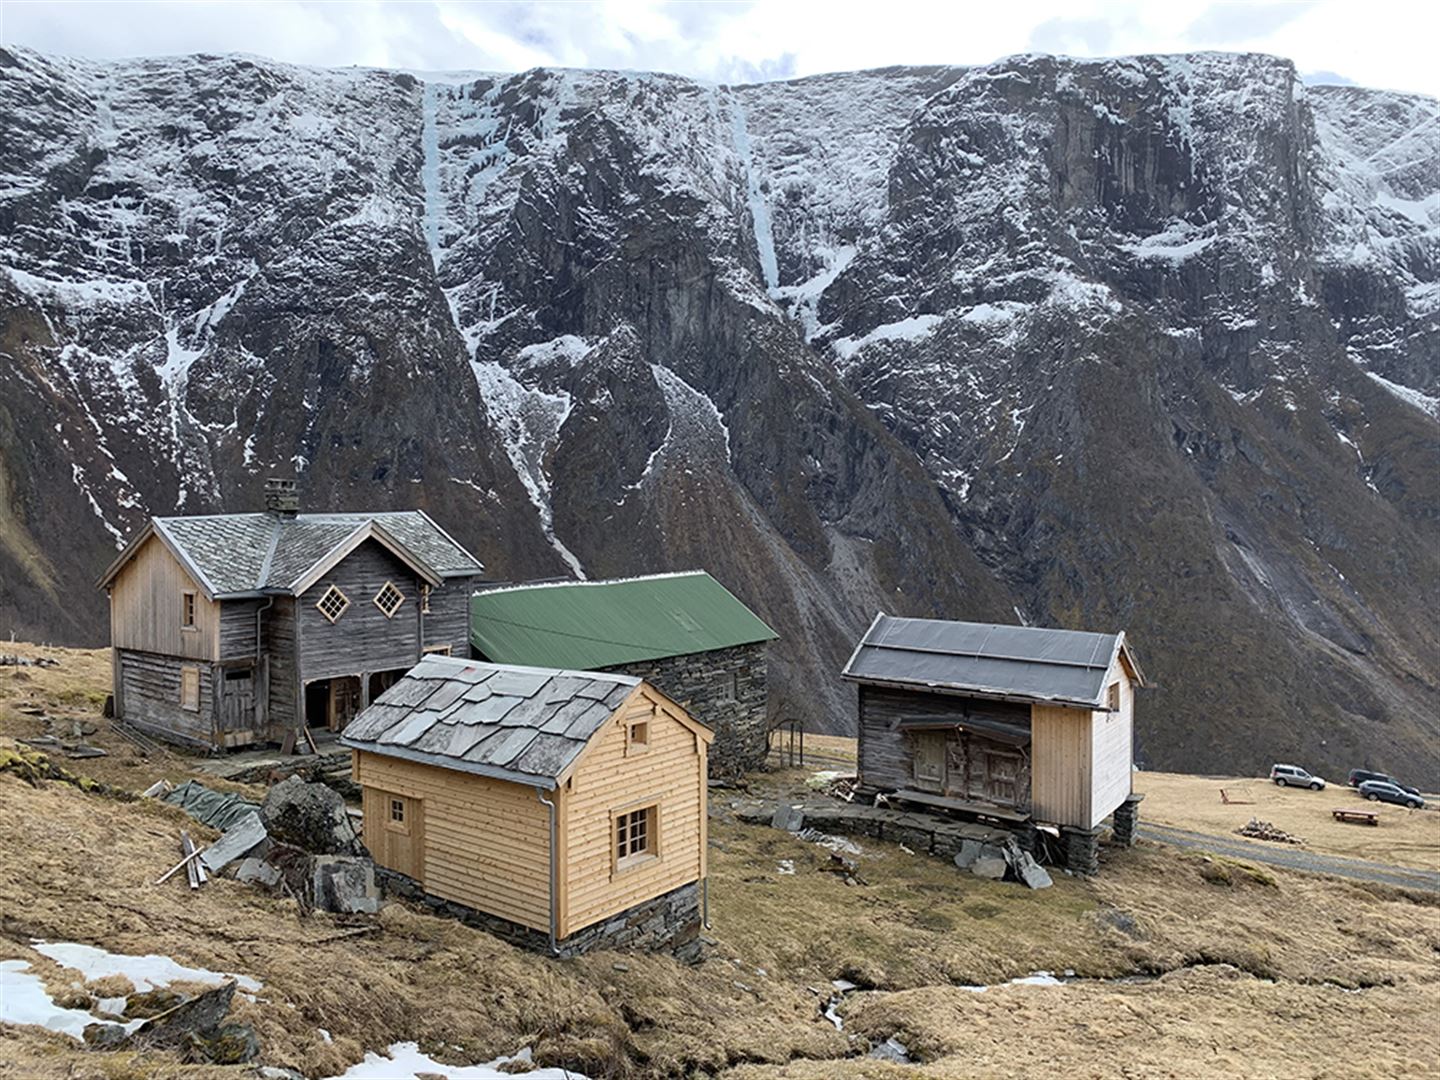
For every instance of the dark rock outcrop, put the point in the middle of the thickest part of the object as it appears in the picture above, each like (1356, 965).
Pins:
(1146, 342)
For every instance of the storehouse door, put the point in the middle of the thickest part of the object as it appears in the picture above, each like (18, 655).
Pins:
(930, 760)
(395, 832)
(237, 706)
(344, 701)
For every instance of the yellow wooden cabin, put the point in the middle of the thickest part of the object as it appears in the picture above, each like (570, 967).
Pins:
(558, 807)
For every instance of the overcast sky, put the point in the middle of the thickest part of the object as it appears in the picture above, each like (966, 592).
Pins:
(1381, 43)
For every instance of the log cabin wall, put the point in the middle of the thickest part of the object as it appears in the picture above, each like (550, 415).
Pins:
(485, 842)
(887, 754)
(237, 629)
(281, 674)
(363, 639)
(448, 622)
(150, 686)
(615, 777)
(145, 607)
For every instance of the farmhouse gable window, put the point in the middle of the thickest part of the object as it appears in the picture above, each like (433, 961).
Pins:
(389, 599)
(333, 604)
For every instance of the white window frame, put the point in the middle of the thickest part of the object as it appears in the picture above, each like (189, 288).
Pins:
(621, 857)
(344, 604)
(390, 612)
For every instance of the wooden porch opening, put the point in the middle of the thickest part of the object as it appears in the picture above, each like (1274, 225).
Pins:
(332, 703)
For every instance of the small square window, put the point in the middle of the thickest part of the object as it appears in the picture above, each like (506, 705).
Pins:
(639, 736)
(1114, 697)
(425, 599)
(397, 810)
(635, 836)
(389, 599)
(187, 610)
(333, 604)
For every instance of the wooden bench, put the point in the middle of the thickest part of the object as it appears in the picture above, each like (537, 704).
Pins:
(1361, 815)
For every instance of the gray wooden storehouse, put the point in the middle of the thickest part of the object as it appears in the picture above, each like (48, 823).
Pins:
(231, 629)
(1024, 725)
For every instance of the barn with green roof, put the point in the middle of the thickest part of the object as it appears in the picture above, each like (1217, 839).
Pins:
(685, 633)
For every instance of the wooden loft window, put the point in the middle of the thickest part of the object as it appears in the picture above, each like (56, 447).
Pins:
(333, 604)
(424, 599)
(437, 650)
(190, 688)
(637, 737)
(1113, 697)
(637, 836)
(187, 610)
(389, 599)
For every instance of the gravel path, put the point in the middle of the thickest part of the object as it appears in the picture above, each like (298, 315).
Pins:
(1295, 858)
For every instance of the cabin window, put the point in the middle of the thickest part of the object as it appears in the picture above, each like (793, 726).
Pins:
(636, 836)
(397, 811)
(437, 650)
(637, 737)
(1113, 697)
(729, 690)
(389, 599)
(187, 610)
(425, 599)
(190, 688)
(333, 604)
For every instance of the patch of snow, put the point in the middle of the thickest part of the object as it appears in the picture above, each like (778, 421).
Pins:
(1424, 402)
(785, 867)
(1179, 241)
(915, 328)
(755, 198)
(24, 1000)
(146, 972)
(405, 1061)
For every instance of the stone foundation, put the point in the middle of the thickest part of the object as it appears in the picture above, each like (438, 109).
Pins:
(1080, 850)
(668, 923)
(1126, 821)
(928, 834)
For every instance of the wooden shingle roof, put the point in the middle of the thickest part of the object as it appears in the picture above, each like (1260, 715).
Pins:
(234, 555)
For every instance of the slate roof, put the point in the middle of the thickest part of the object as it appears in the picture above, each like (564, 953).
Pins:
(1030, 663)
(522, 724)
(597, 624)
(249, 554)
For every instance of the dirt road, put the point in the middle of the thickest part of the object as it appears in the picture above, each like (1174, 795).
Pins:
(1295, 858)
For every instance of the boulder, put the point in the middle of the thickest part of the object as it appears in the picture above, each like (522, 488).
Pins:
(311, 817)
(255, 871)
(787, 817)
(971, 850)
(344, 883)
(989, 867)
(1031, 872)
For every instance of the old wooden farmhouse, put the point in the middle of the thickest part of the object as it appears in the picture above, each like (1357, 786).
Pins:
(554, 807)
(236, 628)
(1020, 724)
(685, 634)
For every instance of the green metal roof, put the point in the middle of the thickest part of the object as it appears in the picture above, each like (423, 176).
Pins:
(584, 625)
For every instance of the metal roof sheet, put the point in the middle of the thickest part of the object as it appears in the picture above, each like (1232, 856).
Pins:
(514, 723)
(598, 624)
(1028, 662)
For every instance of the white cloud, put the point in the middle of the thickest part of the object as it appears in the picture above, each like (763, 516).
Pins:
(1381, 43)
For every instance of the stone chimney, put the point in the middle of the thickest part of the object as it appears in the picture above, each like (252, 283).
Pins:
(281, 498)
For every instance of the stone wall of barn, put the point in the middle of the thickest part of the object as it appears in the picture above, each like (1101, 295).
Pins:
(726, 690)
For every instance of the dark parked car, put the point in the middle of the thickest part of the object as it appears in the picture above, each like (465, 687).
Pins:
(1360, 776)
(1294, 776)
(1380, 791)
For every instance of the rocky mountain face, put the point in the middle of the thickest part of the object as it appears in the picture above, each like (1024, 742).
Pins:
(1149, 343)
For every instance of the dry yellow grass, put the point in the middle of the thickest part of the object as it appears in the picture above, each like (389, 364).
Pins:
(1405, 837)
(1250, 960)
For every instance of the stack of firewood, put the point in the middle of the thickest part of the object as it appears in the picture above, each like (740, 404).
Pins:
(1264, 830)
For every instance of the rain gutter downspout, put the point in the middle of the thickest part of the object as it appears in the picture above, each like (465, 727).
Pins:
(554, 873)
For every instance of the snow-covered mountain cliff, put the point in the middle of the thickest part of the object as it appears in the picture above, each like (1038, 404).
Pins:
(1151, 342)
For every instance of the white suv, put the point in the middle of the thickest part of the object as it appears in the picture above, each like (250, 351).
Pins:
(1294, 776)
